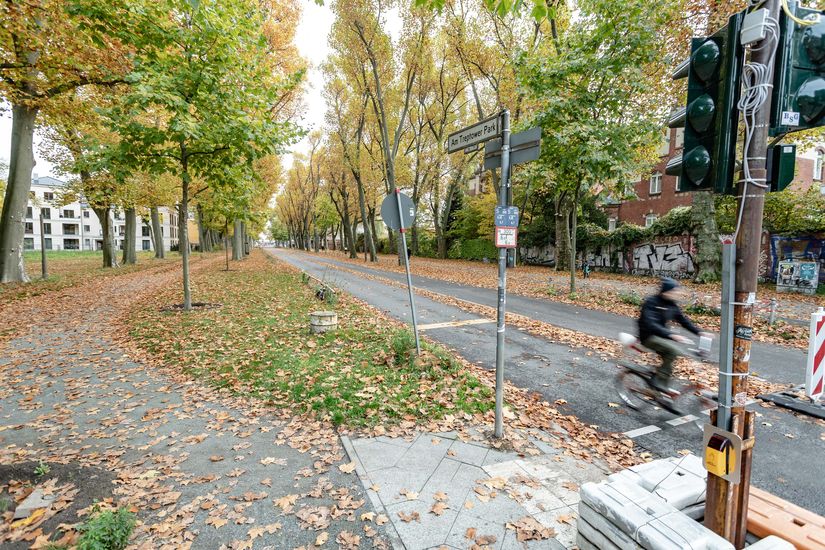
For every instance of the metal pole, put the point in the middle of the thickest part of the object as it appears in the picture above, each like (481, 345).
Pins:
(502, 277)
(43, 268)
(726, 336)
(403, 232)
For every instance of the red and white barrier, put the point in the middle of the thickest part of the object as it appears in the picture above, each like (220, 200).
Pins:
(815, 375)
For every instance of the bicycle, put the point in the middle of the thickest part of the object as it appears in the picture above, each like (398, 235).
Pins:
(634, 384)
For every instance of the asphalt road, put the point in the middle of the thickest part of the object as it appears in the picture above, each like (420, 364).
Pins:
(788, 458)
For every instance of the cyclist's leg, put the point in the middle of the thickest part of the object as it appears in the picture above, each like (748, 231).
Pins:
(668, 351)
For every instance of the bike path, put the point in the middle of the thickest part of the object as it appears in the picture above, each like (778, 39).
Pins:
(782, 465)
(769, 361)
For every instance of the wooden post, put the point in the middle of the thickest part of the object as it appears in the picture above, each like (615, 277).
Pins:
(720, 502)
(742, 498)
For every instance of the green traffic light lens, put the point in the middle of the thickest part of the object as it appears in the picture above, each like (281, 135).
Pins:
(810, 99)
(705, 60)
(696, 165)
(813, 40)
(700, 113)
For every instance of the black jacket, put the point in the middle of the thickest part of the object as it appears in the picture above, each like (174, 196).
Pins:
(657, 312)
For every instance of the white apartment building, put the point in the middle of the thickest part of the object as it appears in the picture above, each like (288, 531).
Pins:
(74, 226)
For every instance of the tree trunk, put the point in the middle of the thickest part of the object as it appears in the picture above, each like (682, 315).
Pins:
(183, 237)
(237, 242)
(44, 268)
(201, 233)
(574, 218)
(157, 232)
(369, 244)
(109, 256)
(708, 258)
(226, 243)
(21, 164)
(562, 234)
(246, 241)
(129, 254)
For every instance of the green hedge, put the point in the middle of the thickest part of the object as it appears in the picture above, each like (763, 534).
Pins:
(473, 249)
(674, 223)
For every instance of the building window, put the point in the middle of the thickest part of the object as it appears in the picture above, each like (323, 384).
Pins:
(161, 231)
(87, 229)
(46, 213)
(29, 212)
(48, 195)
(650, 219)
(47, 229)
(85, 213)
(655, 183)
(611, 224)
(146, 245)
(69, 229)
(145, 231)
(28, 243)
(71, 244)
(68, 213)
(121, 230)
(48, 242)
(88, 244)
(29, 227)
(117, 214)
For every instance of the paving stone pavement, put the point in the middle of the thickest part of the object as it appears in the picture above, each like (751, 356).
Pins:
(485, 489)
(204, 469)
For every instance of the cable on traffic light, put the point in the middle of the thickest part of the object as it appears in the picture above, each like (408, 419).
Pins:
(756, 89)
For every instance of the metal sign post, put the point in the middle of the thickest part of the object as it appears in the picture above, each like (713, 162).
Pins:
(398, 213)
(726, 336)
(502, 277)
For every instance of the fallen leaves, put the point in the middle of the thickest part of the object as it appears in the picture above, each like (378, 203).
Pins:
(438, 508)
(527, 528)
(347, 468)
(407, 518)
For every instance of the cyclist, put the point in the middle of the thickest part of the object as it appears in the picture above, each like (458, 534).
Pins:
(657, 311)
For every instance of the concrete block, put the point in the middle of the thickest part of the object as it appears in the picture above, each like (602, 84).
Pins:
(627, 506)
(616, 536)
(681, 482)
(695, 512)
(772, 543)
(584, 544)
(593, 537)
(677, 531)
(32, 502)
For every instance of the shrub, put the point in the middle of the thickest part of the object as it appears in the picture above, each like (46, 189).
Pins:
(630, 298)
(107, 530)
(473, 249)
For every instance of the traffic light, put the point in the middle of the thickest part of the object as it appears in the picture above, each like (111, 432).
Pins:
(799, 77)
(711, 117)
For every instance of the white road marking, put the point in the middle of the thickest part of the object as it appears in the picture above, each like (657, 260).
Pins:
(642, 431)
(449, 324)
(682, 420)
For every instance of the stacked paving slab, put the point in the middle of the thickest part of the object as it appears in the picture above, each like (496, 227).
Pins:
(653, 506)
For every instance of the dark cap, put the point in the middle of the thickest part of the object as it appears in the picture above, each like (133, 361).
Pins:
(668, 284)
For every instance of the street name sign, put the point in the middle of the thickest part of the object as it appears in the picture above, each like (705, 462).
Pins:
(524, 147)
(477, 133)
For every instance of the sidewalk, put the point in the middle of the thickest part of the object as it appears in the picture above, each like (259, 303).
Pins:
(443, 490)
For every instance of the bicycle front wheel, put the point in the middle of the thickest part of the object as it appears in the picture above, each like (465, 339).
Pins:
(631, 387)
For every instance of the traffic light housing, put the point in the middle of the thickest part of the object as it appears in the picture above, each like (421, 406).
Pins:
(799, 77)
(711, 116)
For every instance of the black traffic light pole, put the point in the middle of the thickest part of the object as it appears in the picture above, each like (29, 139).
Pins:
(727, 503)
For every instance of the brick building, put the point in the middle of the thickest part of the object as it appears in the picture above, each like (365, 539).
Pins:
(656, 195)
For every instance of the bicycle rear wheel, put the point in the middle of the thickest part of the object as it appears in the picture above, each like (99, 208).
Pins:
(691, 405)
(631, 387)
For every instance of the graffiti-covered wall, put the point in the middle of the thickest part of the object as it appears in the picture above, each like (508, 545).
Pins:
(807, 247)
(668, 257)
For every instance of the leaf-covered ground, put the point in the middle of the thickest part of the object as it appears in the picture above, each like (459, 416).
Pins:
(258, 343)
(616, 293)
(66, 268)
